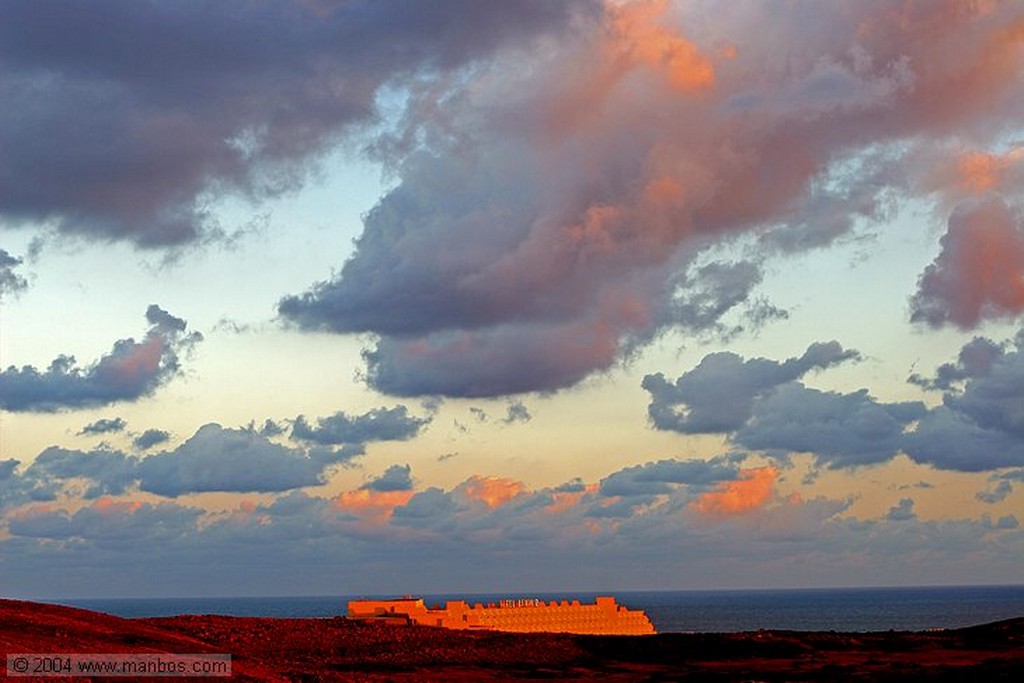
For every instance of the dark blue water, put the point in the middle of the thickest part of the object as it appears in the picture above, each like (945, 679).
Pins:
(844, 609)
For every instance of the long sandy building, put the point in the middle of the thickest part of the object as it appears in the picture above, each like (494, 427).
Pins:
(604, 616)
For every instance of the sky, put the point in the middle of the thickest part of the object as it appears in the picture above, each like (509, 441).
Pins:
(353, 297)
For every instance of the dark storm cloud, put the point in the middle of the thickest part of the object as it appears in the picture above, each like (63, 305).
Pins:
(379, 424)
(718, 395)
(10, 281)
(395, 478)
(130, 371)
(150, 438)
(104, 426)
(122, 119)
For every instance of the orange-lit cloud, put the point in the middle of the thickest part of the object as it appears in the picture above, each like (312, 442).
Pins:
(754, 488)
(980, 171)
(639, 38)
(110, 506)
(374, 507)
(492, 491)
(561, 501)
(137, 364)
(980, 270)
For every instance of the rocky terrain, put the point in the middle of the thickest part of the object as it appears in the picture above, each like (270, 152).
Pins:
(336, 649)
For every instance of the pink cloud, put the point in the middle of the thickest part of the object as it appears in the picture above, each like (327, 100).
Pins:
(980, 271)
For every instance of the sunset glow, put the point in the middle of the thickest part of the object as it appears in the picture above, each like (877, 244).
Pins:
(382, 296)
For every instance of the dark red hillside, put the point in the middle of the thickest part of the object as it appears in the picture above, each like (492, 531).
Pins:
(339, 650)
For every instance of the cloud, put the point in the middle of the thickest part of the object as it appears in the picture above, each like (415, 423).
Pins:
(104, 426)
(547, 222)
(979, 273)
(491, 491)
(759, 405)
(106, 472)
(220, 459)
(979, 426)
(132, 370)
(380, 538)
(662, 476)
(754, 488)
(975, 359)
(903, 511)
(718, 395)
(10, 281)
(517, 412)
(379, 424)
(218, 98)
(395, 478)
(150, 438)
(996, 494)
(268, 429)
(841, 430)
(425, 507)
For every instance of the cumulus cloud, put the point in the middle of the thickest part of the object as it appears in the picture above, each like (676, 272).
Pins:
(841, 430)
(491, 491)
(217, 98)
(662, 476)
(979, 274)
(517, 412)
(547, 222)
(395, 478)
(379, 424)
(103, 426)
(750, 491)
(760, 405)
(105, 472)
(902, 511)
(219, 459)
(10, 281)
(379, 537)
(718, 395)
(980, 424)
(150, 438)
(975, 358)
(132, 370)
(995, 494)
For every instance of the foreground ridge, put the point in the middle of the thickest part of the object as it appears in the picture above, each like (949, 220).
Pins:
(602, 617)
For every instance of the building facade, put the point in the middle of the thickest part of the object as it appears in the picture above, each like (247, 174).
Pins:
(602, 617)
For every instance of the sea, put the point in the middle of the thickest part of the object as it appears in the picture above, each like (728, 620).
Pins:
(708, 611)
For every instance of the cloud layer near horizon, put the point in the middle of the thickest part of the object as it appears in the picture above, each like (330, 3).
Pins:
(685, 526)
